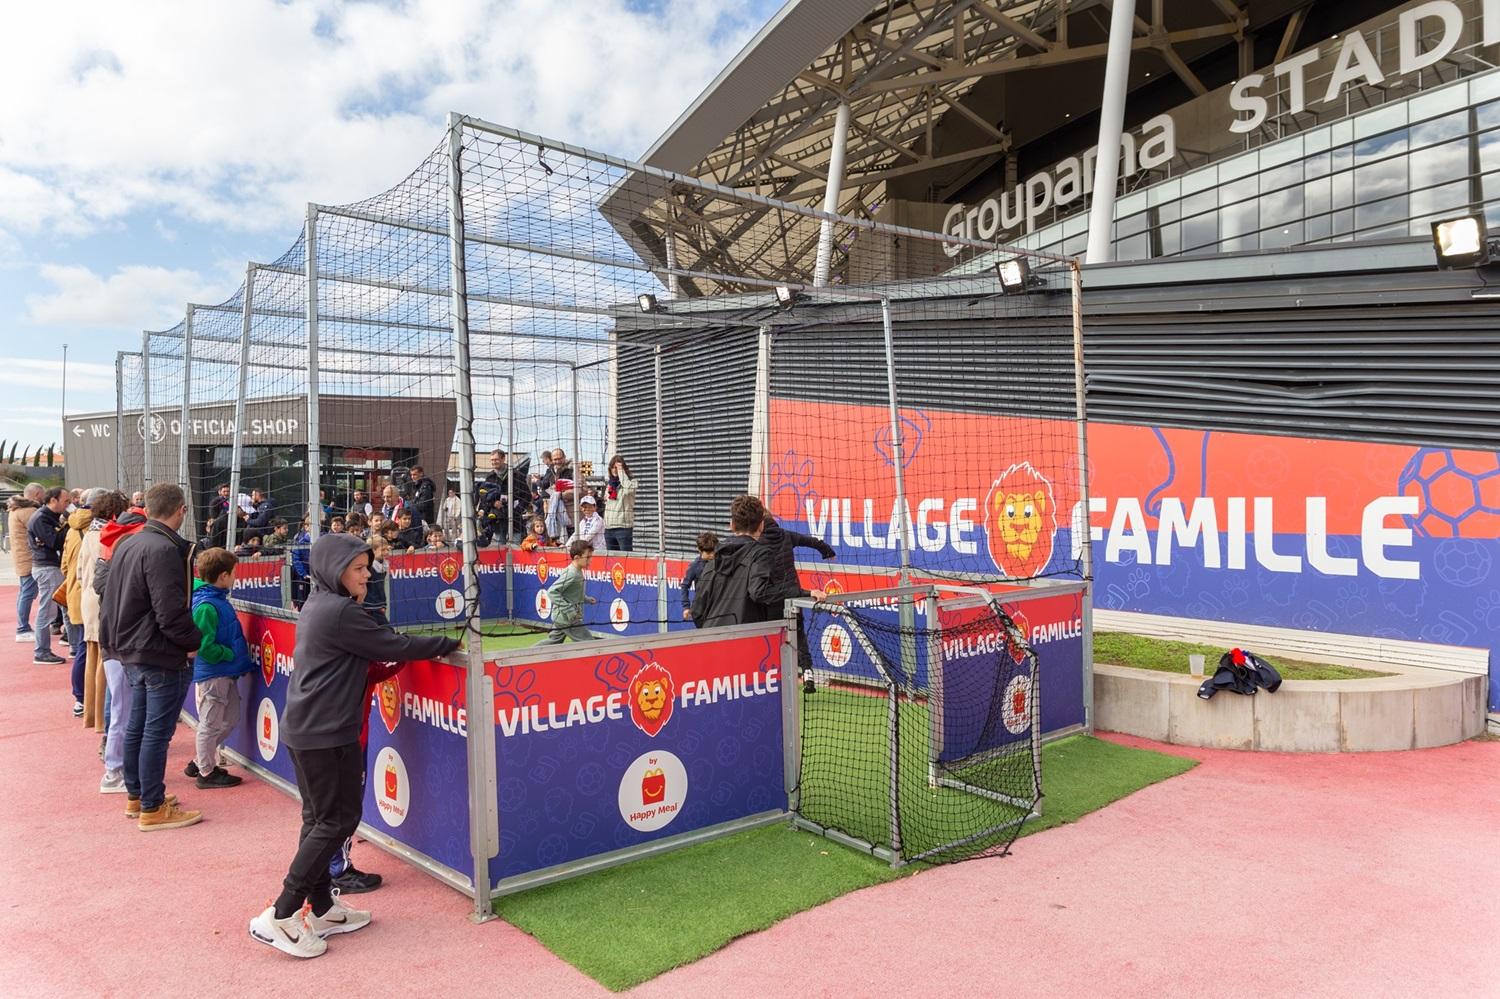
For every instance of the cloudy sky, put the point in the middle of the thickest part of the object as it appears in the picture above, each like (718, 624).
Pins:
(149, 149)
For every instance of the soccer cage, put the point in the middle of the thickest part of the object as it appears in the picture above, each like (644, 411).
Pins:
(915, 429)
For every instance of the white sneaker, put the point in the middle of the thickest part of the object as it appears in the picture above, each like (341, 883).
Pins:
(340, 918)
(291, 935)
(113, 782)
(25, 636)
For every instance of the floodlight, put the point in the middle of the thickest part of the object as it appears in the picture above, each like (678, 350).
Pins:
(647, 303)
(1014, 275)
(1461, 242)
(785, 295)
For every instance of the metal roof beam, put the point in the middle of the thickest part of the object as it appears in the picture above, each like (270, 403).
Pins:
(1015, 27)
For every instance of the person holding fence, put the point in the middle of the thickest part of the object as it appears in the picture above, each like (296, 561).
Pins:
(568, 598)
(326, 707)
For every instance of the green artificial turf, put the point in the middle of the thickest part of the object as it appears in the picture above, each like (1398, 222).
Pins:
(1120, 649)
(628, 924)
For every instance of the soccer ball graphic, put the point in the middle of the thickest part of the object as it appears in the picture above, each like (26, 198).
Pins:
(1458, 495)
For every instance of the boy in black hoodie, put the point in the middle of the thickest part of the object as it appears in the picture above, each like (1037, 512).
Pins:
(325, 710)
(749, 578)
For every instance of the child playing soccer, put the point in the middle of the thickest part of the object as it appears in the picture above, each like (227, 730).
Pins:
(568, 598)
(223, 657)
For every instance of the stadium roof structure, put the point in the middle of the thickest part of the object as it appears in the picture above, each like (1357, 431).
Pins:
(904, 68)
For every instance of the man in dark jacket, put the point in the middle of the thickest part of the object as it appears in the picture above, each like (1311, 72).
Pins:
(783, 545)
(45, 533)
(263, 507)
(745, 582)
(146, 620)
(421, 495)
(325, 709)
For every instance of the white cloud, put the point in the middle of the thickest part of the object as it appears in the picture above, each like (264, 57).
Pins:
(237, 114)
(133, 298)
(46, 375)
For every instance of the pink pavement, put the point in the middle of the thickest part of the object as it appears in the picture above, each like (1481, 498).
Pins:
(1254, 874)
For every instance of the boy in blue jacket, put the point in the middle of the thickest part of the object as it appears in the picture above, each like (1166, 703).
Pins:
(223, 657)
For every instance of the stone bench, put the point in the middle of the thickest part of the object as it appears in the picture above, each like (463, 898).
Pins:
(1413, 709)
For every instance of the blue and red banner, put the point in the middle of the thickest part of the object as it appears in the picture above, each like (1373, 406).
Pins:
(428, 587)
(1379, 540)
(258, 579)
(596, 752)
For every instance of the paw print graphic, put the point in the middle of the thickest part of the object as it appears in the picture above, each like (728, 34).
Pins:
(1139, 583)
(513, 688)
(792, 474)
(1353, 601)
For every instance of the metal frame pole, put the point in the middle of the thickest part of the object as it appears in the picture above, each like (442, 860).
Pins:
(484, 833)
(906, 609)
(577, 444)
(1111, 125)
(184, 437)
(314, 434)
(897, 454)
(120, 421)
(760, 421)
(1086, 543)
(661, 497)
(237, 442)
(510, 497)
(824, 264)
(146, 434)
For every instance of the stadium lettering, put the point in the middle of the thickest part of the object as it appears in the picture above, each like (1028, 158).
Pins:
(991, 642)
(1244, 527)
(430, 711)
(225, 428)
(420, 572)
(1357, 63)
(533, 718)
(1065, 183)
(835, 521)
(695, 692)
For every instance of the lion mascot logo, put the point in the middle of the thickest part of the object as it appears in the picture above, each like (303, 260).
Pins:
(389, 692)
(617, 577)
(448, 570)
(651, 698)
(1020, 521)
(541, 570)
(267, 658)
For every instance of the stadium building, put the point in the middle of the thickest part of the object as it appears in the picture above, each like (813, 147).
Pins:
(1291, 385)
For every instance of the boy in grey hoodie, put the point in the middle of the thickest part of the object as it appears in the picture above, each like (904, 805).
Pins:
(325, 710)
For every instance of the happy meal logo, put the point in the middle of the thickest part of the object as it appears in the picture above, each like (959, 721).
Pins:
(541, 570)
(388, 693)
(1020, 521)
(448, 569)
(267, 658)
(617, 577)
(651, 698)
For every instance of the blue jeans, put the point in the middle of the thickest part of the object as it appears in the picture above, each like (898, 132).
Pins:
(157, 696)
(619, 539)
(80, 658)
(24, 600)
(48, 578)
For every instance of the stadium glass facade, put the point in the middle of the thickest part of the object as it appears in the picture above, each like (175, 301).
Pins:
(1388, 172)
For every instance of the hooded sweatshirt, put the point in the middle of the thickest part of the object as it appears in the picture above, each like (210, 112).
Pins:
(337, 639)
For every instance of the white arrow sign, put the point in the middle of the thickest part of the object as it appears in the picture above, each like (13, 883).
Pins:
(77, 430)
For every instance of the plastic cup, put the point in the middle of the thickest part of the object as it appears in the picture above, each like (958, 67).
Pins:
(1195, 665)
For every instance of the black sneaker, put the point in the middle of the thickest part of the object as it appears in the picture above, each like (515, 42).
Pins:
(191, 770)
(355, 882)
(218, 777)
(47, 659)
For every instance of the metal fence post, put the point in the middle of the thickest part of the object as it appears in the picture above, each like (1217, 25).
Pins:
(510, 498)
(146, 434)
(577, 444)
(314, 439)
(185, 435)
(237, 441)
(1083, 523)
(906, 610)
(760, 420)
(661, 497)
(483, 815)
(120, 421)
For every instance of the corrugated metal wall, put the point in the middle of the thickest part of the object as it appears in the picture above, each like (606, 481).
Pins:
(1404, 355)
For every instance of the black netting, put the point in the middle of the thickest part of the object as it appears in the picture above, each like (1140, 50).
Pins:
(919, 729)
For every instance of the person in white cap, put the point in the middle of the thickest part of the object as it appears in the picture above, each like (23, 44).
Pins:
(590, 525)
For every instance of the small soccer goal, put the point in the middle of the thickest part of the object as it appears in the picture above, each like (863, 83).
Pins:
(919, 737)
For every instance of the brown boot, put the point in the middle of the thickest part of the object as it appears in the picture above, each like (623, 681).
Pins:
(133, 806)
(168, 816)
